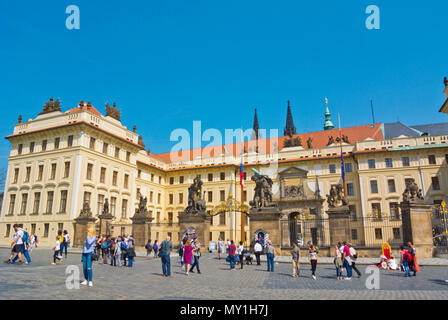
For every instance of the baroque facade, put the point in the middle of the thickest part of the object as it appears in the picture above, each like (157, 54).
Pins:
(61, 160)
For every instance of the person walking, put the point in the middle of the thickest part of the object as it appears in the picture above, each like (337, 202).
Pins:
(258, 250)
(131, 251)
(87, 251)
(240, 254)
(220, 248)
(227, 246)
(155, 247)
(232, 252)
(118, 256)
(347, 261)
(57, 251)
(295, 253)
(188, 255)
(181, 252)
(113, 245)
(25, 248)
(65, 241)
(165, 250)
(105, 246)
(313, 260)
(148, 248)
(196, 255)
(16, 244)
(338, 262)
(270, 252)
(353, 257)
(414, 263)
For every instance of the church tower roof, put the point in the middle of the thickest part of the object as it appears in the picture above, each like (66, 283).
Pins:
(328, 124)
(290, 130)
(256, 127)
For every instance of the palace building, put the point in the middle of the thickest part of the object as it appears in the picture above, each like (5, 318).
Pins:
(60, 160)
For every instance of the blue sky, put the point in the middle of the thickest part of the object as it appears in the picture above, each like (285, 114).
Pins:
(167, 63)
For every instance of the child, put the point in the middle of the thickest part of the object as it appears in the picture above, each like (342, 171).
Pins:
(57, 248)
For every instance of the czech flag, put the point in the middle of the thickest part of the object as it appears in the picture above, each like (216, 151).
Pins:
(241, 174)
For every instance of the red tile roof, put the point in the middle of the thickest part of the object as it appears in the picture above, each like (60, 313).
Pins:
(91, 109)
(320, 140)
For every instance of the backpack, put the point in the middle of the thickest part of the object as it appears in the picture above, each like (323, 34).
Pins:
(407, 257)
(26, 238)
(123, 247)
(148, 246)
(104, 245)
(156, 246)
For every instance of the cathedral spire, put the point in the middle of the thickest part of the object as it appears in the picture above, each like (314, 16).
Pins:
(290, 130)
(255, 132)
(328, 124)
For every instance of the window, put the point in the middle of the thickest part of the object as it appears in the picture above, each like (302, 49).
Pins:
(89, 171)
(53, 171)
(170, 217)
(105, 147)
(378, 234)
(222, 219)
(435, 183)
(210, 177)
(40, 172)
(16, 175)
(12, 202)
(210, 196)
(350, 189)
(244, 196)
(113, 205)
(60, 226)
(56, 143)
(139, 173)
(405, 161)
(352, 209)
(126, 181)
(46, 229)
(371, 163)
(50, 196)
(31, 147)
(158, 217)
(396, 232)
(8, 230)
(20, 149)
(354, 234)
(171, 180)
(44, 145)
(151, 194)
(128, 156)
(124, 206)
(152, 177)
(373, 186)
(222, 235)
(117, 152)
(137, 194)
(103, 175)
(244, 175)
(70, 141)
(394, 210)
(222, 176)
(222, 195)
(160, 179)
(181, 198)
(63, 204)
(67, 169)
(332, 168)
(36, 203)
(24, 202)
(33, 228)
(391, 185)
(171, 198)
(100, 203)
(432, 159)
(181, 179)
(92, 143)
(388, 162)
(159, 198)
(114, 178)
(348, 167)
(376, 210)
(27, 174)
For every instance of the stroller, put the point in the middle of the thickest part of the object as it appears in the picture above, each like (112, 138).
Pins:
(247, 257)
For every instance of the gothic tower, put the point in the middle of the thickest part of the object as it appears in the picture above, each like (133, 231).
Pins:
(290, 130)
(255, 132)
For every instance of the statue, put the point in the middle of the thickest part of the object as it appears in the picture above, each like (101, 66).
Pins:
(336, 197)
(85, 211)
(330, 140)
(412, 192)
(51, 106)
(445, 82)
(263, 190)
(292, 142)
(294, 192)
(195, 202)
(309, 143)
(113, 112)
(106, 208)
(140, 142)
(345, 139)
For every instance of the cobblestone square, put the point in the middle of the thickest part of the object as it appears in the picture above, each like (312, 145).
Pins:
(41, 280)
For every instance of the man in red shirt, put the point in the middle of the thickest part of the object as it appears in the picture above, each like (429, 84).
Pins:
(347, 261)
(232, 251)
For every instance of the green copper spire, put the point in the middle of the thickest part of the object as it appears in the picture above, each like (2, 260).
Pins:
(328, 124)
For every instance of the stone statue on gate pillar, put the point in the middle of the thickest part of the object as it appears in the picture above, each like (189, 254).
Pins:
(263, 191)
(196, 203)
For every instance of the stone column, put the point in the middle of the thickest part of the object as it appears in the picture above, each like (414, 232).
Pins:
(141, 229)
(268, 220)
(81, 225)
(339, 224)
(417, 227)
(106, 224)
(200, 223)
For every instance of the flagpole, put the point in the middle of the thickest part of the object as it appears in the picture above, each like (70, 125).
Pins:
(342, 157)
(243, 221)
